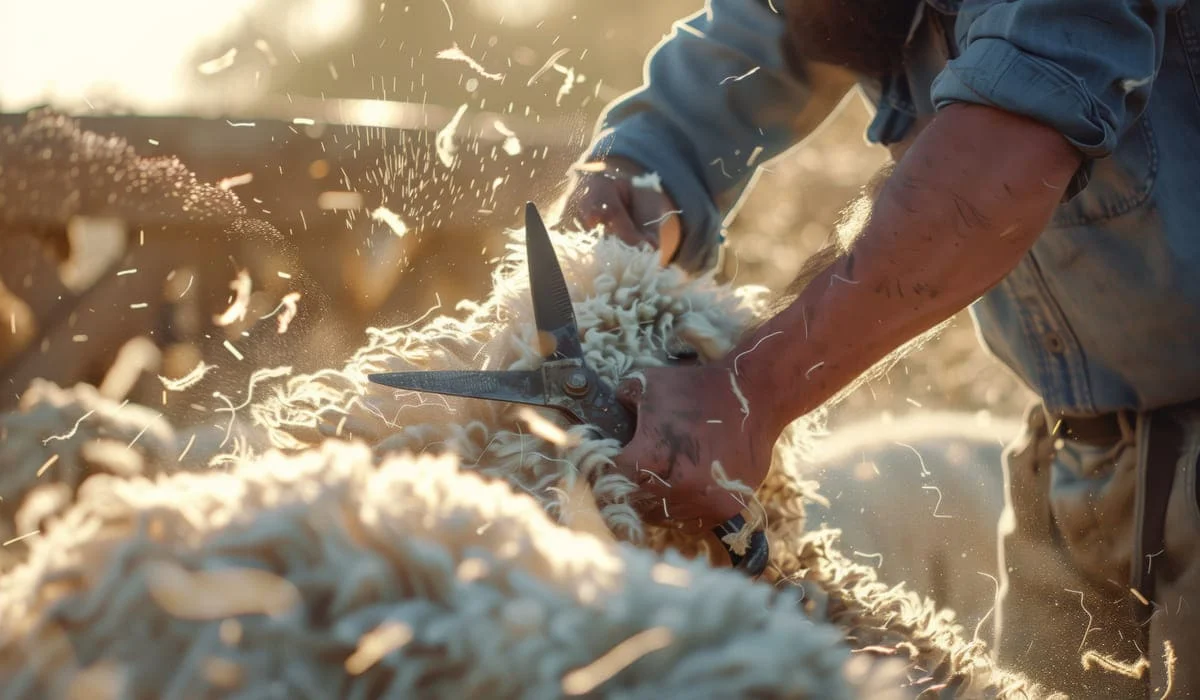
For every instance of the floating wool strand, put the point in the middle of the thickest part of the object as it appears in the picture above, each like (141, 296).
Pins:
(286, 310)
(512, 145)
(739, 541)
(543, 428)
(745, 403)
(547, 66)
(567, 83)
(236, 312)
(447, 149)
(1169, 661)
(71, 433)
(1134, 669)
(288, 304)
(585, 680)
(647, 181)
(188, 380)
(218, 64)
(390, 218)
(454, 53)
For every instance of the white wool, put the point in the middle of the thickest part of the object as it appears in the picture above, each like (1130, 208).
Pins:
(477, 591)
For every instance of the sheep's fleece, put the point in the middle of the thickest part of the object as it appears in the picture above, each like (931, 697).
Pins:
(339, 545)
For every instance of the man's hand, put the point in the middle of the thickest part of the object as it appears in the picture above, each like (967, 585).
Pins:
(687, 419)
(962, 208)
(621, 196)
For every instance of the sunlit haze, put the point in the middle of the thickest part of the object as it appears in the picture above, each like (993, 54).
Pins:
(147, 55)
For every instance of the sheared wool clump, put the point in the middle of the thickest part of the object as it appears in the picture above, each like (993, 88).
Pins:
(324, 575)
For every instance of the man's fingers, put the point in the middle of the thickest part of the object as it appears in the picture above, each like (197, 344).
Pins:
(640, 463)
(630, 393)
(660, 220)
(670, 239)
(602, 205)
(724, 505)
(682, 503)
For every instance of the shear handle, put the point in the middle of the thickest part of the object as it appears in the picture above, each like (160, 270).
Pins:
(758, 553)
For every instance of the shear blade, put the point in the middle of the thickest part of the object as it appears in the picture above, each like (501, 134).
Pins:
(555, 317)
(527, 387)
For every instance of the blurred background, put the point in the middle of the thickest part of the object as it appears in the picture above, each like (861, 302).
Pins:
(124, 258)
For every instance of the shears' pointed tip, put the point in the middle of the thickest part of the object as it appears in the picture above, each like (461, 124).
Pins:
(394, 380)
(531, 214)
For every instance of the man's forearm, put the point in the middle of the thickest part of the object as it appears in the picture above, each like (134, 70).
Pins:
(961, 209)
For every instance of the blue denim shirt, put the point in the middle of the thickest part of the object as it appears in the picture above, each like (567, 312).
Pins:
(1104, 312)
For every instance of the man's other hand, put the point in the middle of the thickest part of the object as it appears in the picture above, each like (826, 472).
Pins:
(627, 201)
(687, 419)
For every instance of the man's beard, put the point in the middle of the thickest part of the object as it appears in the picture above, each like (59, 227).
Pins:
(866, 36)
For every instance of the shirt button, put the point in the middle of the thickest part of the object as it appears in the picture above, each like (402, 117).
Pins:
(1054, 343)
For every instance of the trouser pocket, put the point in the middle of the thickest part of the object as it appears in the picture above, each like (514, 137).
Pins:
(1092, 497)
(1056, 601)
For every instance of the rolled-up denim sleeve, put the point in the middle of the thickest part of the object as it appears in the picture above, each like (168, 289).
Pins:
(1083, 67)
(718, 99)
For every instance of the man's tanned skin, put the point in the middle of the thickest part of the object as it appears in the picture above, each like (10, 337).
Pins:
(962, 207)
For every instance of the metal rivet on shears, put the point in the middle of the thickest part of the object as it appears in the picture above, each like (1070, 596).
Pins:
(576, 383)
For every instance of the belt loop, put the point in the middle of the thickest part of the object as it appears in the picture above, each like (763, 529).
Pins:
(1160, 441)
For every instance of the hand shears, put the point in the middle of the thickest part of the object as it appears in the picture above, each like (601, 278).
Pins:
(564, 381)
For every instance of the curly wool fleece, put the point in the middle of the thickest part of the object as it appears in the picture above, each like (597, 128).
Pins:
(321, 575)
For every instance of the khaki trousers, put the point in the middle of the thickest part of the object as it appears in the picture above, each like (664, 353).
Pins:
(1066, 538)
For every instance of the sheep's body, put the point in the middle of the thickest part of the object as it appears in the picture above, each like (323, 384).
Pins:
(919, 498)
(630, 314)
